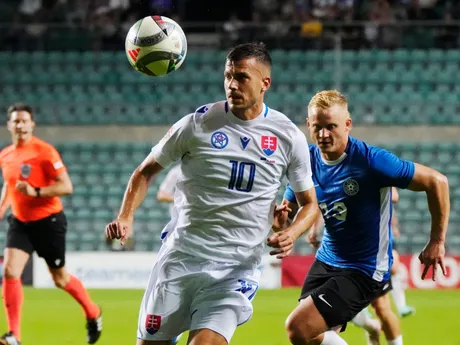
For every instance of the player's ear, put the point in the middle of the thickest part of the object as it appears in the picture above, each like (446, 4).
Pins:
(349, 124)
(266, 83)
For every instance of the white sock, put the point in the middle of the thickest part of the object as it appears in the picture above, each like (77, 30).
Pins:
(397, 341)
(398, 293)
(363, 320)
(332, 338)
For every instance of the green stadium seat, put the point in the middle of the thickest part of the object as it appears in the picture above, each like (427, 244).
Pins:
(85, 87)
(401, 55)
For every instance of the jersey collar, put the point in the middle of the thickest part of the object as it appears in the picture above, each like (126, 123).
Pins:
(232, 118)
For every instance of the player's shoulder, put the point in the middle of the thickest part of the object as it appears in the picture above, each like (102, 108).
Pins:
(208, 111)
(360, 150)
(365, 149)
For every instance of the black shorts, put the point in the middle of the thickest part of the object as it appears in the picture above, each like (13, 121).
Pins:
(45, 236)
(340, 293)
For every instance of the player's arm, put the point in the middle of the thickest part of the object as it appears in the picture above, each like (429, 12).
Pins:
(436, 187)
(300, 178)
(394, 195)
(307, 213)
(62, 186)
(393, 171)
(289, 203)
(137, 187)
(172, 147)
(290, 200)
(5, 201)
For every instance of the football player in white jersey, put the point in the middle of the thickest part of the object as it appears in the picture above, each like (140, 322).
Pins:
(168, 187)
(233, 155)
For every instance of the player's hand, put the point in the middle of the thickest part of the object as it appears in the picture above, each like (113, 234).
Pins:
(280, 217)
(25, 188)
(119, 229)
(283, 241)
(432, 256)
(312, 239)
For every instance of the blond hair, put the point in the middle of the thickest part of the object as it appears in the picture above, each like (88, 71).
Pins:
(327, 98)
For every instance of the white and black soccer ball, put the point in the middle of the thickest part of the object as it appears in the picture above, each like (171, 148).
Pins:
(156, 45)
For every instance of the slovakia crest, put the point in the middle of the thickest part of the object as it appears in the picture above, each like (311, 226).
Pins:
(219, 140)
(268, 144)
(25, 170)
(152, 323)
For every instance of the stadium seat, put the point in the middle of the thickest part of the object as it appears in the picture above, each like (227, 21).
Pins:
(91, 82)
(100, 180)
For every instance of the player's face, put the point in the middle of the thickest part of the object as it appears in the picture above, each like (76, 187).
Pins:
(245, 83)
(329, 128)
(21, 125)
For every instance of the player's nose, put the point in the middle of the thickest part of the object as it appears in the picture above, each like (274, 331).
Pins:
(233, 84)
(323, 133)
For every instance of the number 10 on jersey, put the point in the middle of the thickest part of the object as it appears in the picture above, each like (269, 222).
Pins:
(242, 176)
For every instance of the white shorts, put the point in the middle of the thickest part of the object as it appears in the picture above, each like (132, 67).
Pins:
(188, 293)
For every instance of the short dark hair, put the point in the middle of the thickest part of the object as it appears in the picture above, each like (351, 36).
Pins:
(256, 50)
(20, 107)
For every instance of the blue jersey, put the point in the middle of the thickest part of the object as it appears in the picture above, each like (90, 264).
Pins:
(354, 195)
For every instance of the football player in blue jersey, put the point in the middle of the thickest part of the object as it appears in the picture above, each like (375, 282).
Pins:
(353, 183)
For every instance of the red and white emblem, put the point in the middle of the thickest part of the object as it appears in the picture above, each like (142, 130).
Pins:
(269, 144)
(152, 323)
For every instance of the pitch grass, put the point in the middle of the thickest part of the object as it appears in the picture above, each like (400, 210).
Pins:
(51, 317)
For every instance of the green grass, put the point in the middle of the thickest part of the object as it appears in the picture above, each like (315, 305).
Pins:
(52, 317)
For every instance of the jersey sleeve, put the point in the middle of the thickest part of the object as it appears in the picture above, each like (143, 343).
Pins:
(289, 194)
(391, 170)
(175, 143)
(52, 163)
(299, 169)
(169, 183)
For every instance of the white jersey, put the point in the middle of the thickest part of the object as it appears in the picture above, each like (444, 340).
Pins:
(231, 172)
(169, 184)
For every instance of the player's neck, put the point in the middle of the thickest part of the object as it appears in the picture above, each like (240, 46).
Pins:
(332, 156)
(21, 142)
(249, 114)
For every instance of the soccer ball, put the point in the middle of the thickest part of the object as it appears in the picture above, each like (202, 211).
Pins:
(156, 45)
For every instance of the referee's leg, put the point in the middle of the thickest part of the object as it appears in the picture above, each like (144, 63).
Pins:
(14, 263)
(51, 246)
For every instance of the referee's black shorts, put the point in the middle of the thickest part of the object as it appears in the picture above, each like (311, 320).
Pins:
(340, 293)
(45, 236)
